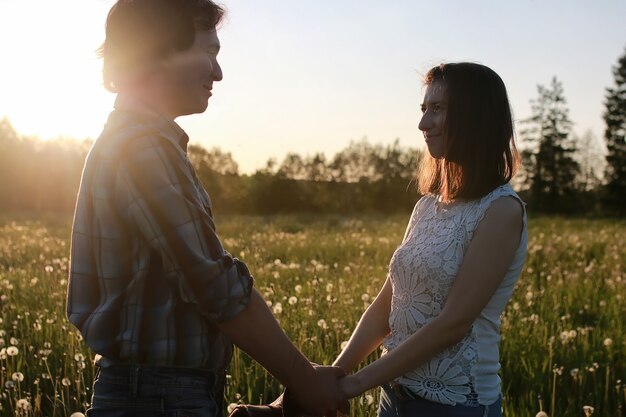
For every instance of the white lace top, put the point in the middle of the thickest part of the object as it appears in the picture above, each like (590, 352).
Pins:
(422, 271)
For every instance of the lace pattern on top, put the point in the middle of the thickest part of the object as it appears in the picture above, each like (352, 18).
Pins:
(422, 271)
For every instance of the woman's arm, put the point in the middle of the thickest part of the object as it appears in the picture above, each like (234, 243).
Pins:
(369, 333)
(486, 261)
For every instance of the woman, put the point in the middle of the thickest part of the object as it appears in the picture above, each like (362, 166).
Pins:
(438, 312)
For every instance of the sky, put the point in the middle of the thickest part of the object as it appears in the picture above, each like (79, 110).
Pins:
(311, 76)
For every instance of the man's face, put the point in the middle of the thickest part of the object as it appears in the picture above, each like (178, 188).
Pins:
(186, 78)
(434, 109)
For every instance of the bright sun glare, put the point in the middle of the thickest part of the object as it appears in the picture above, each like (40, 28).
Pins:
(52, 85)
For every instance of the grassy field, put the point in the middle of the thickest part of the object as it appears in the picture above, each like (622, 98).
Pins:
(564, 343)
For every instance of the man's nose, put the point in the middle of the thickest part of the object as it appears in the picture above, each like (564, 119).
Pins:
(217, 72)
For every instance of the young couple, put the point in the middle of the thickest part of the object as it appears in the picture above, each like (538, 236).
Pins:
(161, 302)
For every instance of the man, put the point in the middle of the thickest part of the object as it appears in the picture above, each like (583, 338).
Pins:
(151, 289)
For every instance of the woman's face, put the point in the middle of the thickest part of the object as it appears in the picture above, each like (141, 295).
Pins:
(434, 109)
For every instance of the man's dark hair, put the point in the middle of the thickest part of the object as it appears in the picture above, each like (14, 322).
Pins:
(142, 32)
(479, 148)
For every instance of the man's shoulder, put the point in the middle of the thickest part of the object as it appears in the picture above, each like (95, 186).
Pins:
(121, 132)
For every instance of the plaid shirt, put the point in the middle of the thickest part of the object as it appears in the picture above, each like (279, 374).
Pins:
(149, 279)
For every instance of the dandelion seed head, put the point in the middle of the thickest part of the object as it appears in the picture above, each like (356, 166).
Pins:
(293, 300)
(542, 414)
(12, 350)
(588, 410)
(66, 382)
(17, 376)
(23, 404)
(607, 342)
(278, 308)
(231, 407)
(77, 414)
(322, 323)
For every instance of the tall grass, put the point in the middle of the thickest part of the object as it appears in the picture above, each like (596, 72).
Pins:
(563, 343)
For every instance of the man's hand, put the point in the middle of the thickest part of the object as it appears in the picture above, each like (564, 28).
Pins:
(320, 394)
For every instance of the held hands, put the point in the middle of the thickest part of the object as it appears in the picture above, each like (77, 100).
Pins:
(321, 394)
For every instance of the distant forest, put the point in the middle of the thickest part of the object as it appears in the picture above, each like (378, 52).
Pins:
(561, 173)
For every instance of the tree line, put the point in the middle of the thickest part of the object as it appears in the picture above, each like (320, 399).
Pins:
(561, 172)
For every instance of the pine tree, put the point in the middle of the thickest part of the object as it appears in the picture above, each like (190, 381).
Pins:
(551, 168)
(615, 136)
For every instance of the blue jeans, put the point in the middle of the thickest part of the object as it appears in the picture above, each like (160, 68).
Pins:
(155, 391)
(392, 405)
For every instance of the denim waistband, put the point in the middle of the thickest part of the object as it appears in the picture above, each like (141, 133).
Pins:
(135, 375)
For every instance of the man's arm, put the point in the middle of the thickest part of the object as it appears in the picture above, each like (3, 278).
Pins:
(162, 203)
(256, 332)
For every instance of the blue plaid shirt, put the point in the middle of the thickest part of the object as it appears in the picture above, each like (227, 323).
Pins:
(149, 279)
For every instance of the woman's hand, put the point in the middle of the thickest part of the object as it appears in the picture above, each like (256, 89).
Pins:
(350, 386)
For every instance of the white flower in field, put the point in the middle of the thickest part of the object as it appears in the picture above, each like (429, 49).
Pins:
(231, 407)
(588, 410)
(79, 357)
(278, 308)
(77, 414)
(298, 289)
(365, 297)
(49, 269)
(293, 300)
(17, 376)
(607, 342)
(558, 370)
(23, 404)
(14, 341)
(542, 414)
(344, 344)
(12, 350)
(322, 323)
(329, 287)
(572, 334)
(366, 399)
(574, 372)
(66, 382)
(37, 326)
(9, 384)
(34, 281)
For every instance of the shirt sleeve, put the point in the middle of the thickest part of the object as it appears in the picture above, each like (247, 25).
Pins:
(159, 199)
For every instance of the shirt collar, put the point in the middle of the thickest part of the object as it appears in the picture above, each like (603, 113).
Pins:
(164, 125)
